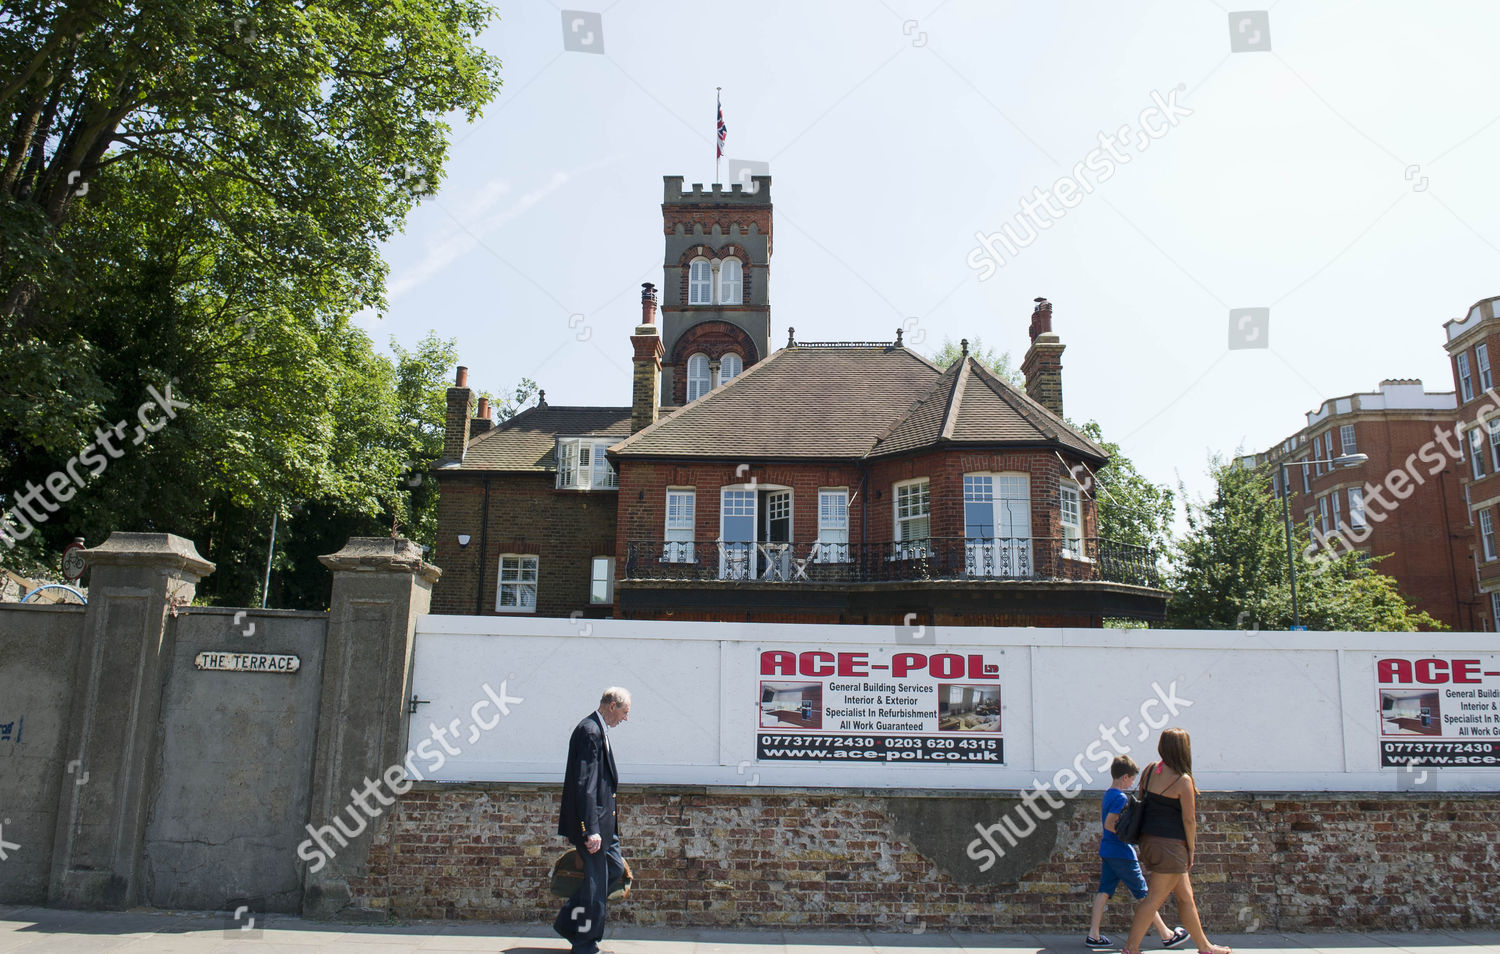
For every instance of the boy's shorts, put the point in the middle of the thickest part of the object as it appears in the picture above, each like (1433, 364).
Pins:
(1112, 871)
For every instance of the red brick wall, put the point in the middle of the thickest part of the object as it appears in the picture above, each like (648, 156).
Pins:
(565, 528)
(751, 858)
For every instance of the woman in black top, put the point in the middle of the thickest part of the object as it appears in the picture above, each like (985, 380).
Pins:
(1169, 830)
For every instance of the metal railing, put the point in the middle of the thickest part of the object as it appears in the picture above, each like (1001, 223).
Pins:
(934, 559)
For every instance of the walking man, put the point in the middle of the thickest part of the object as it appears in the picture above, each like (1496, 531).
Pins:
(588, 821)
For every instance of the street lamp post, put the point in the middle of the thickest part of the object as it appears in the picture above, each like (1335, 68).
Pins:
(1348, 460)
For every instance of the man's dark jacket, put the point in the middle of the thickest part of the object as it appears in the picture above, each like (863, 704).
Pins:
(588, 799)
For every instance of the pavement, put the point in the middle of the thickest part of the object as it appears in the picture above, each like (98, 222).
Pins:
(40, 930)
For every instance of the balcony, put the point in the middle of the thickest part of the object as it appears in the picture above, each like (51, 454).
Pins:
(935, 560)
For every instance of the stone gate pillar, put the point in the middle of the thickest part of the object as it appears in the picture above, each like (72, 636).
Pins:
(380, 586)
(135, 581)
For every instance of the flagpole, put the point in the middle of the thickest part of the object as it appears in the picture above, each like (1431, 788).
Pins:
(718, 102)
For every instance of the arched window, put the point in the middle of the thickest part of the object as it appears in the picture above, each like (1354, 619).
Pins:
(700, 283)
(729, 366)
(729, 282)
(698, 381)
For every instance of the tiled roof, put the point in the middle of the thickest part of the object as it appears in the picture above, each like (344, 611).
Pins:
(528, 441)
(853, 400)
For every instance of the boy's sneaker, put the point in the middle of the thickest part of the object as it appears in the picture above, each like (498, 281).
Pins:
(1178, 936)
(1102, 941)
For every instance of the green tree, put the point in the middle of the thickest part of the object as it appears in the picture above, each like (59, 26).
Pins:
(1132, 509)
(1230, 570)
(996, 361)
(242, 165)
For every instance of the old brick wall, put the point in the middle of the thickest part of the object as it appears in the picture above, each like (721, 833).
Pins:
(747, 858)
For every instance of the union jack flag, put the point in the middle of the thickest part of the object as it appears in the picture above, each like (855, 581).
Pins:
(723, 129)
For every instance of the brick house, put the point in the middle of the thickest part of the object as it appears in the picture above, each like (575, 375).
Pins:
(1473, 341)
(847, 482)
(1426, 546)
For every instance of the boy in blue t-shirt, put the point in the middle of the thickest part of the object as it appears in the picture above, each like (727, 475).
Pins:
(1117, 860)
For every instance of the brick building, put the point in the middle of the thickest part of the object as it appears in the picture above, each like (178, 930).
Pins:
(1425, 544)
(1472, 342)
(821, 482)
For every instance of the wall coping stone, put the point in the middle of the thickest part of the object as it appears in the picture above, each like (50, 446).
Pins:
(390, 554)
(149, 549)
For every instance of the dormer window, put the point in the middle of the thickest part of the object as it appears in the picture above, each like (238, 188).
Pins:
(698, 379)
(729, 282)
(581, 465)
(730, 365)
(700, 283)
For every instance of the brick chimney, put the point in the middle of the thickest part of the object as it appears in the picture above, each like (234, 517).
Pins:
(646, 381)
(1043, 364)
(456, 422)
(482, 421)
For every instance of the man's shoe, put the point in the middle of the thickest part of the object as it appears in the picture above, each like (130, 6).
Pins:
(1178, 936)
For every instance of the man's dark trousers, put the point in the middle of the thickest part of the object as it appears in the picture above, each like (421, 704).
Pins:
(581, 920)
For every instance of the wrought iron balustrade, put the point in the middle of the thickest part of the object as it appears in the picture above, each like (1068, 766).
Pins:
(933, 559)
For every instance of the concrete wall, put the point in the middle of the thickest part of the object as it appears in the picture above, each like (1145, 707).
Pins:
(38, 659)
(235, 764)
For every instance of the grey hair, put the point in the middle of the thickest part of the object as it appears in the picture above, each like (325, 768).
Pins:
(616, 695)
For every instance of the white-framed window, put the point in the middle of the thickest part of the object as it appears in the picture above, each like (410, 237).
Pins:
(1487, 533)
(1338, 518)
(700, 282)
(1276, 484)
(517, 590)
(1465, 382)
(698, 379)
(1318, 453)
(602, 580)
(1476, 453)
(913, 502)
(582, 465)
(1357, 508)
(1070, 516)
(1467, 504)
(681, 512)
(833, 525)
(1323, 513)
(1312, 535)
(1482, 362)
(730, 365)
(730, 281)
(1346, 440)
(1494, 427)
(1306, 486)
(1494, 612)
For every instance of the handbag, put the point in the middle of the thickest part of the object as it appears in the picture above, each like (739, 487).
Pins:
(567, 875)
(1128, 825)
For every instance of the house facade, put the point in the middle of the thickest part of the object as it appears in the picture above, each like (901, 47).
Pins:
(850, 482)
(1472, 343)
(1333, 494)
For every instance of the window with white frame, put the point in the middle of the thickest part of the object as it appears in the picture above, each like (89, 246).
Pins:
(1338, 518)
(729, 282)
(913, 510)
(1070, 516)
(700, 282)
(602, 580)
(1318, 453)
(833, 525)
(681, 505)
(1357, 508)
(1346, 439)
(1323, 513)
(518, 574)
(698, 379)
(1487, 533)
(1495, 612)
(1306, 487)
(1276, 484)
(1494, 427)
(1465, 382)
(582, 465)
(1482, 362)
(730, 365)
(1312, 535)
(1476, 453)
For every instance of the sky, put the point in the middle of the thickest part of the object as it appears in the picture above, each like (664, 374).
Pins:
(1331, 163)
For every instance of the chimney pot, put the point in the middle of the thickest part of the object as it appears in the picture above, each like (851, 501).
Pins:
(484, 408)
(963, 345)
(648, 303)
(462, 381)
